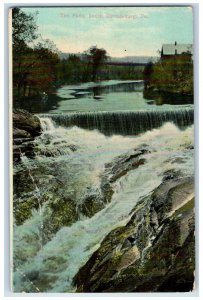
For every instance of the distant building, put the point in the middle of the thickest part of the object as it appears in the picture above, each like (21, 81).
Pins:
(171, 50)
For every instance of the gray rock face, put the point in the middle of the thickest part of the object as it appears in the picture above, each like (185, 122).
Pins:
(25, 128)
(154, 252)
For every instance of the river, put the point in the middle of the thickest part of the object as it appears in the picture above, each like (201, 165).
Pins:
(78, 142)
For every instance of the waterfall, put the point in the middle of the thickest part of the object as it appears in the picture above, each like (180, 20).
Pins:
(124, 122)
(47, 124)
(71, 175)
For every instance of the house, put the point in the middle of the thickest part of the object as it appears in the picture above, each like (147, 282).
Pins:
(171, 50)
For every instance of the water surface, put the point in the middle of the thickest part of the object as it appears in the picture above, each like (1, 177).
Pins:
(112, 95)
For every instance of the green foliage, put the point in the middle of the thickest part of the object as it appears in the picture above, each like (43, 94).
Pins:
(34, 69)
(95, 58)
(34, 72)
(24, 30)
(147, 73)
(174, 74)
(124, 72)
(74, 70)
(93, 65)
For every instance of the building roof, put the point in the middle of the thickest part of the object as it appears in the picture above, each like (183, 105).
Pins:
(172, 49)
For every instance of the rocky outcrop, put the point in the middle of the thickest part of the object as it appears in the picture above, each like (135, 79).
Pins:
(25, 128)
(154, 252)
(119, 167)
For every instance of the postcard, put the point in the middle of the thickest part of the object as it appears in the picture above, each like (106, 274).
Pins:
(102, 149)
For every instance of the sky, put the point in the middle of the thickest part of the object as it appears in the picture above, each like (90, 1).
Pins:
(121, 31)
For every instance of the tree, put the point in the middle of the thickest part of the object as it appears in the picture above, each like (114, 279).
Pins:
(96, 58)
(44, 68)
(34, 68)
(24, 30)
(148, 71)
(36, 72)
(46, 44)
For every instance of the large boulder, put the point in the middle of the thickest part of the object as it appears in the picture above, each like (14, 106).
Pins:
(25, 128)
(23, 120)
(154, 252)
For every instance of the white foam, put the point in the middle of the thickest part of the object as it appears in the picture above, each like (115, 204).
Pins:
(82, 169)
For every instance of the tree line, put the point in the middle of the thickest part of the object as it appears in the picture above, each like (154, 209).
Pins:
(75, 69)
(38, 69)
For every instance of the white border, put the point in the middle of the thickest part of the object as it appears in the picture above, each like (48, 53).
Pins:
(4, 159)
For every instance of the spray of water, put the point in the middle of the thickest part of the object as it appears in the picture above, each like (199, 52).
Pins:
(53, 266)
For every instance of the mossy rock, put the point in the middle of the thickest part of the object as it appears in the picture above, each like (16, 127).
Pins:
(23, 210)
(62, 212)
(162, 256)
(91, 205)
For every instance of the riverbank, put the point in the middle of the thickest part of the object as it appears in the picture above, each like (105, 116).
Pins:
(167, 96)
(171, 75)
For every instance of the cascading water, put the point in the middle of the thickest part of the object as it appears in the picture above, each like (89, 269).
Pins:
(69, 164)
(125, 122)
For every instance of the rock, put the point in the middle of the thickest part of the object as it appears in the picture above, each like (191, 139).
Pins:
(24, 120)
(25, 128)
(60, 209)
(20, 133)
(154, 219)
(170, 195)
(129, 257)
(154, 252)
(92, 204)
(62, 212)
